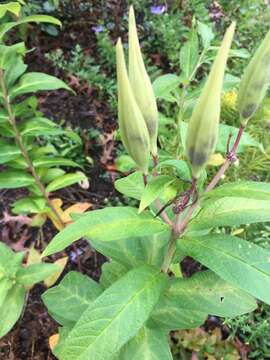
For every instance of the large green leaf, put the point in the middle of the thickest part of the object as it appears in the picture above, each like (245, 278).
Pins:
(237, 261)
(245, 189)
(115, 316)
(11, 309)
(154, 189)
(14, 70)
(35, 273)
(65, 180)
(32, 82)
(109, 224)
(135, 251)
(231, 211)
(148, 344)
(208, 293)
(15, 179)
(68, 300)
(131, 185)
(27, 19)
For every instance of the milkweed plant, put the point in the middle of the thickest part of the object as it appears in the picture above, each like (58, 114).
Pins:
(143, 293)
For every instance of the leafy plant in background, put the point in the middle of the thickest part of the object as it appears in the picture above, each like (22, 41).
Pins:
(142, 294)
(15, 282)
(26, 163)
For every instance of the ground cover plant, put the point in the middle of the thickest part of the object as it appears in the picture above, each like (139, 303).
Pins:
(169, 187)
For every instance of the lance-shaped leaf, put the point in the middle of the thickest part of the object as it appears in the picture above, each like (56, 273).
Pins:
(255, 81)
(241, 263)
(134, 133)
(148, 344)
(231, 211)
(115, 316)
(204, 292)
(11, 309)
(109, 224)
(203, 126)
(245, 189)
(141, 84)
(32, 82)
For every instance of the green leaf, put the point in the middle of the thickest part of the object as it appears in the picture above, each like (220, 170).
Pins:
(225, 131)
(108, 224)
(114, 317)
(208, 293)
(33, 18)
(32, 82)
(148, 344)
(237, 261)
(68, 300)
(29, 205)
(244, 189)
(39, 127)
(9, 261)
(11, 309)
(231, 211)
(181, 166)
(164, 85)
(154, 189)
(131, 185)
(64, 181)
(206, 34)
(135, 251)
(5, 286)
(111, 272)
(48, 175)
(35, 273)
(189, 55)
(9, 53)
(13, 7)
(15, 179)
(49, 162)
(15, 69)
(8, 152)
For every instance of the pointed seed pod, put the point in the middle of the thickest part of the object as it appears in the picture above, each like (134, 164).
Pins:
(255, 81)
(134, 133)
(141, 84)
(203, 126)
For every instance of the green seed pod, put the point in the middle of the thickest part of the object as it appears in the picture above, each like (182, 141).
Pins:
(203, 126)
(255, 81)
(141, 84)
(134, 133)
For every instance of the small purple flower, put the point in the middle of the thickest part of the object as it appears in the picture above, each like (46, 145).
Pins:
(74, 255)
(98, 28)
(158, 10)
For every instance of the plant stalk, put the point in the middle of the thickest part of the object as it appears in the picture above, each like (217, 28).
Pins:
(179, 228)
(20, 144)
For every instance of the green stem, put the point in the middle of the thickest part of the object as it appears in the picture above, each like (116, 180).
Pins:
(20, 144)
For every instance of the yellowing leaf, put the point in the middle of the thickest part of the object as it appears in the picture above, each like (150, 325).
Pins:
(53, 341)
(237, 231)
(78, 208)
(34, 257)
(50, 281)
